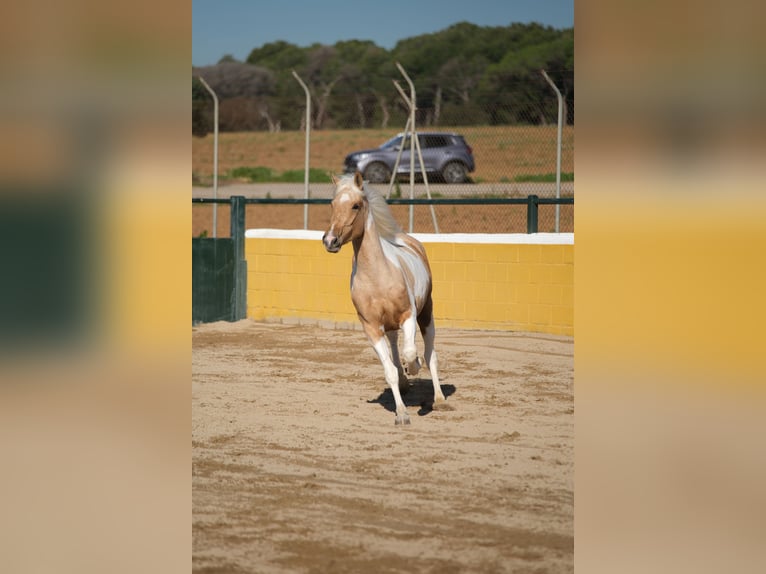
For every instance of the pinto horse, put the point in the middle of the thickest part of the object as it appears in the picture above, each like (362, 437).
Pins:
(390, 283)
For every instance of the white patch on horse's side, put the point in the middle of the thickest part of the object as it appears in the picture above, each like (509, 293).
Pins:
(403, 254)
(390, 252)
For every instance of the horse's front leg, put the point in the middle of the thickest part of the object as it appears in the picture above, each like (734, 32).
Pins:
(390, 371)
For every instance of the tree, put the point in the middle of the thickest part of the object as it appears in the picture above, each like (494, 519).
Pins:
(360, 91)
(236, 79)
(278, 56)
(202, 121)
(464, 74)
(513, 89)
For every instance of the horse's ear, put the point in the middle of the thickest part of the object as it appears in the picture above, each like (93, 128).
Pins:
(334, 179)
(358, 180)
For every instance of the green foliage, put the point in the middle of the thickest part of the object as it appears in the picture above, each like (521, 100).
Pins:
(278, 55)
(544, 177)
(262, 174)
(298, 176)
(464, 75)
(253, 174)
(202, 116)
(514, 88)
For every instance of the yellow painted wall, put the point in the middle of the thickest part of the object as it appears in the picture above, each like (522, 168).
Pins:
(509, 287)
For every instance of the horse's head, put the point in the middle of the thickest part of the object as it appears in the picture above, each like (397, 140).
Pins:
(349, 212)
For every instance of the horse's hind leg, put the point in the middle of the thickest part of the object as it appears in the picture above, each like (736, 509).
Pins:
(393, 339)
(428, 330)
(409, 349)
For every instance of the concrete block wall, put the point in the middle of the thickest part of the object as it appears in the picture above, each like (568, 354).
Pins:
(513, 282)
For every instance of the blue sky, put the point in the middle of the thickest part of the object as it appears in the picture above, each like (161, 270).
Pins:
(235, 27)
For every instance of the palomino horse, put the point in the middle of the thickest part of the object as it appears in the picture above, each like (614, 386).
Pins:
(390, 283)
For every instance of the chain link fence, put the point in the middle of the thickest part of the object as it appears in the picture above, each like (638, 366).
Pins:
(514, 151)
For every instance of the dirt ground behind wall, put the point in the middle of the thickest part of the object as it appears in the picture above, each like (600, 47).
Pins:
(298, 467)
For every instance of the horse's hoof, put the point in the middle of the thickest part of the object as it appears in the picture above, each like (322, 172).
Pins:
(413, 368)
(402, 419)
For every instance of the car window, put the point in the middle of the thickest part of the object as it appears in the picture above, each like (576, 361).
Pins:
(392, 143)
(426, 141)
(433, 141)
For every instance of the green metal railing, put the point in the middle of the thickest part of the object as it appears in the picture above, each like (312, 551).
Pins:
(532, 202)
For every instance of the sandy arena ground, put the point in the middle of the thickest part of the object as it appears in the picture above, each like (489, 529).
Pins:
(298, 467)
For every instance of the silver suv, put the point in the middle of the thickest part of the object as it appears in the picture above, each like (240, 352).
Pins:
(446, 156)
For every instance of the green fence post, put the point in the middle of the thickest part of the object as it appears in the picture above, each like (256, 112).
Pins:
(237, 222)
(532, 203)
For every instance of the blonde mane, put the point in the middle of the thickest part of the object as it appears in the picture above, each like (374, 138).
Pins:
(387, 226)
(384, 220)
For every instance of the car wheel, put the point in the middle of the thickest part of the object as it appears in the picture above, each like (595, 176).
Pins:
(377, 173)
(454, 172)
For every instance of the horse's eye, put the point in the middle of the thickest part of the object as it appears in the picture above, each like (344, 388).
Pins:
(355, 207)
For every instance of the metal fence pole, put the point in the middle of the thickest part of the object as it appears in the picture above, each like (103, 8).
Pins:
(308, 146)
(215, 154)
(414, 140)
(412, 144)
(532, 208)
(398, 154)
(237, 229)
(558, 144)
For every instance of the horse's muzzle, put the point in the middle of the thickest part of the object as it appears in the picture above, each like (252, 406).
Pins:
(331, 243)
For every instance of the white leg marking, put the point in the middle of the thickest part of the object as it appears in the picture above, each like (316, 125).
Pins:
(393, 339)
(392, 378)
(432, 362)
(409, 350)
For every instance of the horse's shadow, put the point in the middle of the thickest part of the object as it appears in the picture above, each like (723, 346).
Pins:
(420, 394)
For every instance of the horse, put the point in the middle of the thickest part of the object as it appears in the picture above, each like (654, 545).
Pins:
(390, 283)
